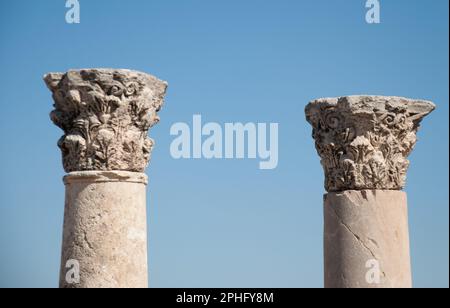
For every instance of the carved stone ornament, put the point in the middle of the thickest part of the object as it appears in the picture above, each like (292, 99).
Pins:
(364, 141)
(105, 115)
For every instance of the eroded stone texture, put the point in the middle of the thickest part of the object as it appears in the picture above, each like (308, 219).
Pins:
(105, 229)
(105, 115)
(364, 141)
(362, 227)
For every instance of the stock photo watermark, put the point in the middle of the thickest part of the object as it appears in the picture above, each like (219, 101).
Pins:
(73, 272)
(73, 13)
(373, 275)
(232, 141)
(226, 298)
(373, 15)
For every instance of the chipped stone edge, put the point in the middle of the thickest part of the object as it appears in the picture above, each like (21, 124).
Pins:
(352, 100)
(49, 76)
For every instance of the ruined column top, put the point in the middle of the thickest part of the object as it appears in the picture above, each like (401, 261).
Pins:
(105, 115)
(364, 141)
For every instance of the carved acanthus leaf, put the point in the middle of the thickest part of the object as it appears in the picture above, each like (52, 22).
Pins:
(364, 141)
(105, 115)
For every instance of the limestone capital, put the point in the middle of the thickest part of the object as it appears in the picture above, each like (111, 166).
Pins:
(105, 115)
(364, 141)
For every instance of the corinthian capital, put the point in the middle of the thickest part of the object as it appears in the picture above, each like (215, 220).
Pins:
(105, 115)
(364, 141)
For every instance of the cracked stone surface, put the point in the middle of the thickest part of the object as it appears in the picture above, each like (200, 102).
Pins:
(105, 229)
(364, 226)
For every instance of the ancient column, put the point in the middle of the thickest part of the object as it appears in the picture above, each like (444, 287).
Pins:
(364, 143)
(105, 115)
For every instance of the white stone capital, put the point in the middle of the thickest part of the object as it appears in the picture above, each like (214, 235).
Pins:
(364, 141)
(105, 115)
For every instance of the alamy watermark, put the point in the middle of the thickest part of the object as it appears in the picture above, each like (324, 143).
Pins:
(373, 15)
(373, 275)
(73, 272)
(73, 14)
(232, 141)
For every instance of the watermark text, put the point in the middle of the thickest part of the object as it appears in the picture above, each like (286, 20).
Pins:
(232, 141)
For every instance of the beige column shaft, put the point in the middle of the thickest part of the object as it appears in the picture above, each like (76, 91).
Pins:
(367, 240)
(364, 142)
(105, 115)
(105, 230)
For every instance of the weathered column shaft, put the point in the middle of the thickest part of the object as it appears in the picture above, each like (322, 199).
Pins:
(364, 142)
(105, 115)
(366, 232)
(105, 229)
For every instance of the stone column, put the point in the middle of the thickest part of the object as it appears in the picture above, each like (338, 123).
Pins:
(105, 115)
(364, 142)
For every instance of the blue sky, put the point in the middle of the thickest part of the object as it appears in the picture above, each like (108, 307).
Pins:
(222, 223)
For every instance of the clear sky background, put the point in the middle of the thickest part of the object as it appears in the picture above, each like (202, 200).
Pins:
(222, 223)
